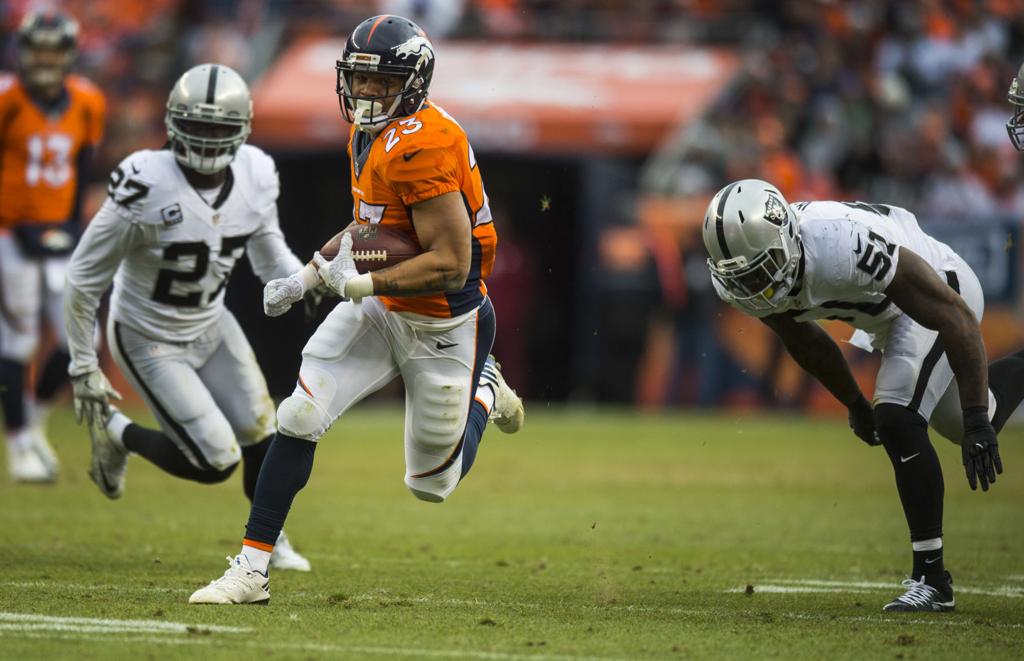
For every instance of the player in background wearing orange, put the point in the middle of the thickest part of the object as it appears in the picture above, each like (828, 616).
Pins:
(427, 319)
(50, 123)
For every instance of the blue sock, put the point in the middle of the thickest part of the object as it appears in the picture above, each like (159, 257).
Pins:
(284, 472)
(474, 433)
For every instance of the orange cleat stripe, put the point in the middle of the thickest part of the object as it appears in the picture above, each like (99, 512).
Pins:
(302, 384)
(262, 546)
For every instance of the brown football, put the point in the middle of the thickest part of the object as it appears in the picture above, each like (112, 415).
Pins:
(374, 247)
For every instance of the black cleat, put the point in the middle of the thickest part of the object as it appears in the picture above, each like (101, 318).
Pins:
(923, 597)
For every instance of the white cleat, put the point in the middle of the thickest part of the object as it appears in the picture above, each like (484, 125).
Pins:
(508, 412)
(240, 584)
(24, 464)
(42, 448)
(286, 557)
(109, 458)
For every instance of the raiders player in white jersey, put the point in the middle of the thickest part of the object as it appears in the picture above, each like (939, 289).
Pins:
(907, 295)
(175, 223)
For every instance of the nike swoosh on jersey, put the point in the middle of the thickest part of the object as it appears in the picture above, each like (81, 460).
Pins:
(409, 155)
(441, 345)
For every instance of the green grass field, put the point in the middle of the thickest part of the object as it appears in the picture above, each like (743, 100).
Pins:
(591, 534)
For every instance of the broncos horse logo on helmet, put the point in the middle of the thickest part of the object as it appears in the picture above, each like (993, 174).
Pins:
(389, 45)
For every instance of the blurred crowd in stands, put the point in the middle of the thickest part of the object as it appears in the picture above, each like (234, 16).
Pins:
(883, 100)
(901, 102)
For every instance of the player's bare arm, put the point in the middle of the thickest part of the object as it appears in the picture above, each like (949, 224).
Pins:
(929, 301)
(817, 353)
(443, 227)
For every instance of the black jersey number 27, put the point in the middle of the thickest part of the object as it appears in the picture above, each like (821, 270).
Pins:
(875, 255)
(200, 253)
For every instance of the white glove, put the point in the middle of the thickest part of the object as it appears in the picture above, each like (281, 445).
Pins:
(337, 273)
(92, 396)
(280, 293)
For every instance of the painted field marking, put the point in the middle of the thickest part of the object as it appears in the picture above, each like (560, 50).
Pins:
(787, 585)
(701, 613)
(30, 621)
(390, 651)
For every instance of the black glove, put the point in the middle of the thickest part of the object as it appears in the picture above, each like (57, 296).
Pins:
(980, 449)
(862, 421)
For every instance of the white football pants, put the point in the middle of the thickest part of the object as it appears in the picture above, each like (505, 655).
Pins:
(360, 348)
(209, 395)
(915, 371)
(29, 286)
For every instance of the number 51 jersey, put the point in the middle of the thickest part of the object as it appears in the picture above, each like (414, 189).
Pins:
(174, 249)
(850, 254)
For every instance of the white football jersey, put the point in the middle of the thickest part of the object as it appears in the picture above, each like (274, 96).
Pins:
(173, 249)
(850, 253)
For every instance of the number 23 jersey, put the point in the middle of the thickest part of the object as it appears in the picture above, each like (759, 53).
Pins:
(850, 255)
(174, 249)
(414, 159)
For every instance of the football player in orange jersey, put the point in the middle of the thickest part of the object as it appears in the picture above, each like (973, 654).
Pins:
(427, 319)
(50, 122)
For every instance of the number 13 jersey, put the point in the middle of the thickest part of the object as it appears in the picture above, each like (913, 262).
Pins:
(850, 254)
(412, 160)
(173, 249)
(39, 150)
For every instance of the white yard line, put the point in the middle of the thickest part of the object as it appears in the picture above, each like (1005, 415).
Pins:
(854, 587)
(99, 624)
(389, 651)
(1011, 591)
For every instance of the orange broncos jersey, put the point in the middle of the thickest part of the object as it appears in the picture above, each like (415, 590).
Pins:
(413, 159)
(39, 153)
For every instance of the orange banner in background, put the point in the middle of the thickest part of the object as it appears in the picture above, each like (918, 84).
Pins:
(517, 98)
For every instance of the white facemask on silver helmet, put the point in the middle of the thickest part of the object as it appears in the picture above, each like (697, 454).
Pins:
(752, 237)
(209, 117)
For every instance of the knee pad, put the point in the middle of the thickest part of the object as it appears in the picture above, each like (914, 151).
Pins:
(212, 437)
(299, 416)
(427, 496)
(898, 426)
(19, 345)
(440, 406)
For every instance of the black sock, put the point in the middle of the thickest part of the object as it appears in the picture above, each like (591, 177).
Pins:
(929, 565)
(904, 434)
(12, 393)
(53, 375)
(286, 470)
(1006, 379)
(473, 435)
(158, 448)
(252, 461)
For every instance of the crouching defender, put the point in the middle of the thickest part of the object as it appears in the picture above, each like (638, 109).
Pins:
(908, 295)
(427, 319)
(176, 222)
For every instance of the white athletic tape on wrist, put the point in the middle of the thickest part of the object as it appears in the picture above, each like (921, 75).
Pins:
(309, 277)
(360, 286)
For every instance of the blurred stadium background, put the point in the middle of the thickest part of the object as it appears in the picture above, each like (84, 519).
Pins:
(603, 128)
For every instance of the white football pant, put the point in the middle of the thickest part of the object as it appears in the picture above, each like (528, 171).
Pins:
(209, 395)
(915, 371)
(28, 287)
(360, 348)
